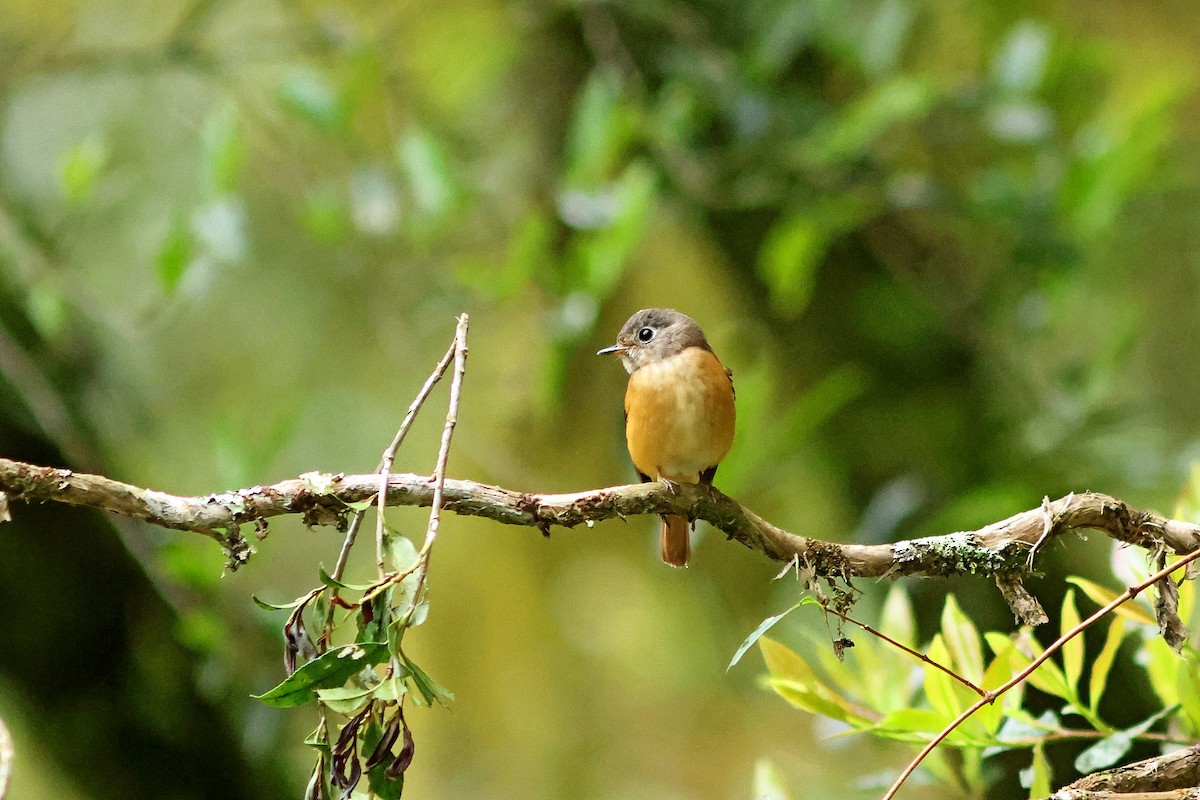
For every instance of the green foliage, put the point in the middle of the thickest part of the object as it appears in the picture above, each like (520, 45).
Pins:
(874, 692)
(366, 681)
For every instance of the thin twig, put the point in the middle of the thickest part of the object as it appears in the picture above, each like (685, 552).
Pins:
(389, 455)
(914, 653)
(385, 465)
(439, 473)
(990, 697)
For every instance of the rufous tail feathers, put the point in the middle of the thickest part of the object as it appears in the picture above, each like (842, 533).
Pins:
(676, 541)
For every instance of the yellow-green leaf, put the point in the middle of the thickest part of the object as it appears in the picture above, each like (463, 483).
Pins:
(1072, 649)
(1038, 774)
(1104, 661)
(962, 639)
(1102, 596)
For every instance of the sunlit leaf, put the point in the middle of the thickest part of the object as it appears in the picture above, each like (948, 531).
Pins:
(330, 670)
(174, 256)
(1072, 649)
(81, 167)
(1036, 777)
(940, 687)
(907, 722)
(768, 784)
(1187, 678)
(795, 681)
(1102, 596)
(1098, 679)
(897, 616)
(325, 215)
(428, 172)
(308, 94)
(1048, 677)
(962, 640)
(223, 151)
(849, 135)
(1021, 59)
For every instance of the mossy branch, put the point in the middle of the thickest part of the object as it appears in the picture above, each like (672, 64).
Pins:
(1003, 549)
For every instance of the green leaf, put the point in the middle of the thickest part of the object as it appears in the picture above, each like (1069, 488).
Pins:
(330, 670)
(993, 715)
(326, 218)
(392, 689)
(851, 133)
(175, 254)
(908, 722)
(1104, 753)
(1047, 677)
(383, 786)
(1072, 649)
(762, 628)
(962, 640)
(1110, 749)
(1036, 777)
(796, 682)
(263, 604)
(334, 583)
(428, 172)
(309, 95)
(222, 151)
(768, 785)
(1021, 59)
(897, 616)
(431, 691)
(81, 167)
(1102, 596)
(599, 130)
(1187, 678)
(346, 700)
(939, 687)
(804, 698)
(796, 247)
(1104, 661)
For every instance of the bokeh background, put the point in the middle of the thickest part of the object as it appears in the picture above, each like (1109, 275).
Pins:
(951, 251)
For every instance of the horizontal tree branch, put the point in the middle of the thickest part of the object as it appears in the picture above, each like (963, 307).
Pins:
(1173, 776)
(1001, 549)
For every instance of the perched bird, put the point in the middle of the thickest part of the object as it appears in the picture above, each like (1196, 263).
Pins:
(679, 413)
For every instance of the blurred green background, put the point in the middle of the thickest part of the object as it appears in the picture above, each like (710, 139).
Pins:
(950, 251)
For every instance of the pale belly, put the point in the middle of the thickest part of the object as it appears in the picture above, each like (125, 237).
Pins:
(683, 418)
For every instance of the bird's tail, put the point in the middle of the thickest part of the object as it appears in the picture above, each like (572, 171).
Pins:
(676, 542)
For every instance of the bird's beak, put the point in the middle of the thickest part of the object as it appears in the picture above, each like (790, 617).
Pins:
(616, 348)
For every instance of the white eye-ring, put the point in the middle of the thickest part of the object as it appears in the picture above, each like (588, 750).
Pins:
(645, 334)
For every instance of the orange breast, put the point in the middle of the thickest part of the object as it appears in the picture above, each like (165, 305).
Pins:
(679, 415)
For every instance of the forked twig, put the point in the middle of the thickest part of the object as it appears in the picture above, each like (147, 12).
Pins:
(439, 473)
(990, 696)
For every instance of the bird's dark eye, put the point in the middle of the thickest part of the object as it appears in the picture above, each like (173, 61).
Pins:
(645, 334)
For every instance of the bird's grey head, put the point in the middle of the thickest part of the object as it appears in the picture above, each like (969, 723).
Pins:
(653, 334)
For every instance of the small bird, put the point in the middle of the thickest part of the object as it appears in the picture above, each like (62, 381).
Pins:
(679, 413)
